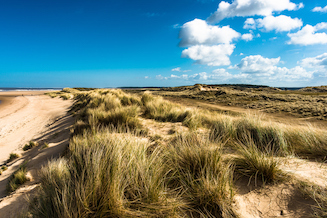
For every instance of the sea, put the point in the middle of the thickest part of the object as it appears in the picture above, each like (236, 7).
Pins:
(27, 89)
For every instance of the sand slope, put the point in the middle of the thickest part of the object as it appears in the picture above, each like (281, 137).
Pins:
(30, 117)
(25, 118)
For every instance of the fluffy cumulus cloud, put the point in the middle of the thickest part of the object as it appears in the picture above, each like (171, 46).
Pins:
(244, 8)
(256, 64)
(198, 32)
(247, 36)
(279, 24)
(250, 24)
(260, 68)
(216, 55)
(320, 9)
(318, 63)
(309, 35)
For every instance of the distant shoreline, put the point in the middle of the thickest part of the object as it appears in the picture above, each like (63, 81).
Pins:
(26, 89)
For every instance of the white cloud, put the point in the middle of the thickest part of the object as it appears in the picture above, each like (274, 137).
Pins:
(295, 73)
(244, 8)
(253, 69)
(261, 69)
(247, 36)
(256, 64)
(308, 35)
(198, 32)
(320, 9)
(196, 76)
(318, 62)
(218, 75)
(216, 55)
(279, 24)
(178, 69)
(249, 24)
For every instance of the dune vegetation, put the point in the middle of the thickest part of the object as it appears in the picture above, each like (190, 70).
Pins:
(309, 102)
(116, 166)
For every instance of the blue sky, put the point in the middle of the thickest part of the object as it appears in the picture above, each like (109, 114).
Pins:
(162, 43)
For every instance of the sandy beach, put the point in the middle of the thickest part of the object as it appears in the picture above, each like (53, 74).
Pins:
(26, 116)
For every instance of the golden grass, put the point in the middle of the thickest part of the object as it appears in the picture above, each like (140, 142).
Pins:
(301, 103)
(198, 170)
(111, 171)
(256, 165)
(105, 175)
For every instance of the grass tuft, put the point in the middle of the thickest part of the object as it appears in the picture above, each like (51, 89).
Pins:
(199, 170)
(105, 175)
(17, 179)
(30, 145)
(12, 157)
(257, 165)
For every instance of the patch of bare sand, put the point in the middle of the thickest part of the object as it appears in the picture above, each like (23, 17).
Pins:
(283, 200)
(163, 129)
(37, 118)
(306, 170)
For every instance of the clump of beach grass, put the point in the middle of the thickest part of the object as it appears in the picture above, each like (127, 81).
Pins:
(204, 178)
(308, 142)
(257, 165)
(12, 157)
(17, 179)
(30, 145)
(159, 109)
(265, 136)
(106, 175)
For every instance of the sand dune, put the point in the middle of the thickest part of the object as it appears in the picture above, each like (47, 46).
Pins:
(26, 116)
